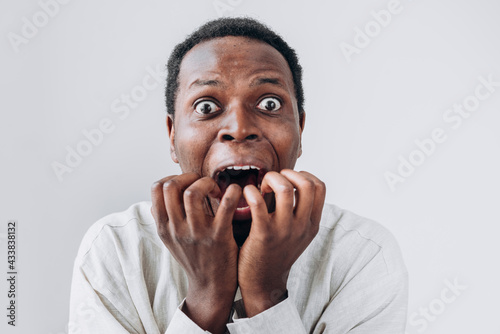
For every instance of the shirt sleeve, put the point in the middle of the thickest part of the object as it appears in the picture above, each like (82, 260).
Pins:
(379, 307)
(92, 312)
(371, 299)
(372, 302)
(282, 318)
(181, 323)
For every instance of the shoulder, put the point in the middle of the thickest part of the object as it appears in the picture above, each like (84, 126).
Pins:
(124, 227)
(356, 237)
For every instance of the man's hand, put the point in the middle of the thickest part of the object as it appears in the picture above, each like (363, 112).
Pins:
(277, 239)
(203, 244)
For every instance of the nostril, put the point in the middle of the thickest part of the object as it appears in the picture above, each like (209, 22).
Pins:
(249, 137)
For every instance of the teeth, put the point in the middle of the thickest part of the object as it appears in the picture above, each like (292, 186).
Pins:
(241, 209)
(247, 167)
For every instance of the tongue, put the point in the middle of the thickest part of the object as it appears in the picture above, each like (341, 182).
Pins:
(242, 203)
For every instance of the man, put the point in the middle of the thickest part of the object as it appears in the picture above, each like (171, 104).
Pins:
(239, 241)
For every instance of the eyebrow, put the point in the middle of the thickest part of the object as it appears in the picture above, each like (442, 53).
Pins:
(201, 83)
(265, 80)
(256, 82)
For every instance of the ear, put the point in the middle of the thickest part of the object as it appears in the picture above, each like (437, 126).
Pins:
(171, 136)
(302, 124)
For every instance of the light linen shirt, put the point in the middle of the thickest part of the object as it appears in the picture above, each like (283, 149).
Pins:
(350, 279)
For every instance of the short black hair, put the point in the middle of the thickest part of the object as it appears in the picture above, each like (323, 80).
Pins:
(231, 26)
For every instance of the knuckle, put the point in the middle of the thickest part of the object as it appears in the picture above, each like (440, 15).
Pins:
(185, 239)
(285, 189)
(287, 236)
(259, 205)
(207, 241)
(300, 237)
(321, 185)
(191, 195)
(163, 233)
(170, 185)
(156, 186)
(268, 238)
(309, 185)
(314, 228)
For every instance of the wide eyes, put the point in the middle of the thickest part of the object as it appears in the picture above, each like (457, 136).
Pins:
(269, 104)
(206, 107)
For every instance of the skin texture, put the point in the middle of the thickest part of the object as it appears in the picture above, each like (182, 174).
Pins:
(235, 106)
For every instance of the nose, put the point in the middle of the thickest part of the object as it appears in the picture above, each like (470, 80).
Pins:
(239, 124)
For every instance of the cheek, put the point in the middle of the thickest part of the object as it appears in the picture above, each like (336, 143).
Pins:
(191, 145)
(287, 143)
(187, 149)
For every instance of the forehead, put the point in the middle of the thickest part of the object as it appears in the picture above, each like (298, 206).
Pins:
(228, 59)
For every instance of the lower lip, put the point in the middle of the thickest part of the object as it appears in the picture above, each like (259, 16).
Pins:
(242, 213)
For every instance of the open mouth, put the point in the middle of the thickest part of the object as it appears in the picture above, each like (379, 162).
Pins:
(242, 175)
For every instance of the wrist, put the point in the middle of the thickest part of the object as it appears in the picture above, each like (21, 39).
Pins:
(218, 296)
(208, 309)
(258, 302)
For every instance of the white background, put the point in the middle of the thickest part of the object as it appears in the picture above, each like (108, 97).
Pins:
(361, 116)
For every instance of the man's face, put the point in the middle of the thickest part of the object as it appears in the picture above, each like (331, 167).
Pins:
(235, 108)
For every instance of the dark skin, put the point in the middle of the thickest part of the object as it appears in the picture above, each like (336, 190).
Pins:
(235, 106)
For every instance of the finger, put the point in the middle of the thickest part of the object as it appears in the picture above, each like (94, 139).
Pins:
(173, 191)
(258, 208)
(158, 209)
(195, 202)
(305, 186)
(284, 193)
(228, 204)
(319, 197)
